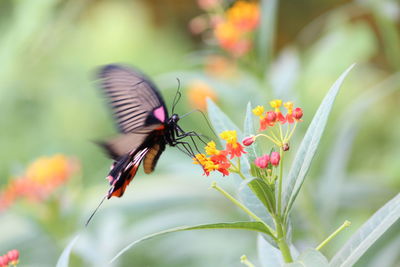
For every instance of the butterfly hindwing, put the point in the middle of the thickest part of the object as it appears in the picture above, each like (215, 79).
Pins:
(135, 100)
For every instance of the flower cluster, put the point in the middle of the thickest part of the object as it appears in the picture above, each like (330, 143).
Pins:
(218, 159)
(41, 178)
(233, 28)
(271, 117)
(234, 32)
(10, 258)
(264, 161)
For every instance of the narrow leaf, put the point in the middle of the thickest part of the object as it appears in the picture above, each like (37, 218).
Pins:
(368, 234)
(254, 150)
(264, 193)
(309, 258)
(309, 145)
(251, 226)
(220, 121)
(63, 261)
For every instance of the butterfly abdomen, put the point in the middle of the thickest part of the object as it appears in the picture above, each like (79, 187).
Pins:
(151, 158)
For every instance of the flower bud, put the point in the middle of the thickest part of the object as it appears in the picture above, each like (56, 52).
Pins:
(4, 261)
(249, 140)
(13, 256)
(262, 162)
(297, 113)
(275, 158)
(271, 116)
(285, 147)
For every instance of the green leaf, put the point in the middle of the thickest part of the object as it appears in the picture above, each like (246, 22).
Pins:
(332, 180)
(268, 255)
(254, 150)
(251, 226)
(309, 258)
(368, 234)
(266, 36)
(308, 146)
(219, 120)
(264, 193)
(63, 261)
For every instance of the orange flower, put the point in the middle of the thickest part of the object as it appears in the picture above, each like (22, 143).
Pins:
(198, 93)
(220, 66)
(244, 15)
(41, 178)
(233, 147)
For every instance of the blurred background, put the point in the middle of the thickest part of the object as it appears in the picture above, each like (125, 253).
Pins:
(52, 173)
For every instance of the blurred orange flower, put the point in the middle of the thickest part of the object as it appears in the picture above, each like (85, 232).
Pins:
(41, 178)
(220, 66)
(234, 33)
(198, 92)
(244, 15)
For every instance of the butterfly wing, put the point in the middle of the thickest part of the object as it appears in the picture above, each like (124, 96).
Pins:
(124, 170)
(141, 116)
(135, 100)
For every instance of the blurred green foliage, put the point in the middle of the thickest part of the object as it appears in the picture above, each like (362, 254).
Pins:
(50, 103)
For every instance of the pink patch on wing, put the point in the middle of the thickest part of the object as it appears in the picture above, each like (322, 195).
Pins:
(159, 113)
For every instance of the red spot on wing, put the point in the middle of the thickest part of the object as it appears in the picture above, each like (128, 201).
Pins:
(118, 192)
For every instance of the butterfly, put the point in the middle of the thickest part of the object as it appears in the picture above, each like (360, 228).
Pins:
(144, 124)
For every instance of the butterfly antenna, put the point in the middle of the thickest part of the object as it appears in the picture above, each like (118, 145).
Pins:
(205, 118)
(177, 96)
(94, 212)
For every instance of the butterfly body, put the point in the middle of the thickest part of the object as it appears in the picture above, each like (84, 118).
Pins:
(143, 121)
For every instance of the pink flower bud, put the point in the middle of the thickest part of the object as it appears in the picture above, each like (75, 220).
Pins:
(297, 113)
(275, 158)
(271, 116)
(4, 261)
(248, 140)
(262, 162)
(13, 255)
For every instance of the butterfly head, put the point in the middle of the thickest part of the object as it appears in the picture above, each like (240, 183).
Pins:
(174, 118)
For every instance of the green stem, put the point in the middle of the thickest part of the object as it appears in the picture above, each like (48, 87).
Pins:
(243, 207)
(246, 261)
(326, 241)
(275, 141)
(281, 240)
(291, 133)
(280, 178)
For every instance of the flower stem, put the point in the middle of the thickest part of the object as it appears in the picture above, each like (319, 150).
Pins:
(281, 240)
(246, 261)
(280, 178)
(326, 241)
(273, 140)
(243, 207)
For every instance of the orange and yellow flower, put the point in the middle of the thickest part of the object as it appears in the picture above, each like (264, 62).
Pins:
(198, 93)
(244, 15)
(233, 147)
(234, 32)
(41, 178)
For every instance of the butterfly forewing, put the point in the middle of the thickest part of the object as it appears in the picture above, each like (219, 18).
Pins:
(136, 103)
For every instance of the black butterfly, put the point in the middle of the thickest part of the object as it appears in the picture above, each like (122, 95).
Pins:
(143, 121)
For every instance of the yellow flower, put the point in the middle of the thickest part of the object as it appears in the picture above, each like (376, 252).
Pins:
(289, 106)
(229, 136)
(276, 104)
(258, 111)
(200, 159)
(48, 169)
(211, 149)
(245, 15)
